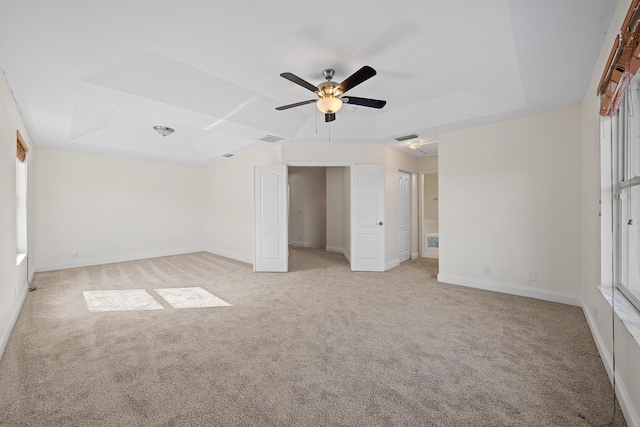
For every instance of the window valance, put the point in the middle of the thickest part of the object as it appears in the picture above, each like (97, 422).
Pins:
(623, 63)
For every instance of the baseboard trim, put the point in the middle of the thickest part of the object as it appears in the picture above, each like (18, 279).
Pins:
(111, 260)
(301, 244)
(507, 288)
(626, 404)
(14, 318)
(230, 255)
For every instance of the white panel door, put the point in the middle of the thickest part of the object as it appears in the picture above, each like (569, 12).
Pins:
(367, 218)
(404, 216)
(270, 250)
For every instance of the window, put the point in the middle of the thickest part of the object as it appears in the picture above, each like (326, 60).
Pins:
(21, 199)
(627, 183)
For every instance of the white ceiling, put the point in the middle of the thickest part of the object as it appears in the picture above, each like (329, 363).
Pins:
(98, 75)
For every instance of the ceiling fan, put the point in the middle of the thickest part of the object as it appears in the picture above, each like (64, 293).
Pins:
(330, 94)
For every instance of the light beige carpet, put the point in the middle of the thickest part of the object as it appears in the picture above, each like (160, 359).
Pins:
(317, 346)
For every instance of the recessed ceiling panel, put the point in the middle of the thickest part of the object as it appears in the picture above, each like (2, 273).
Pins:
(89, 118)
(452, 108)
(215, 68)
(228, 127)
(219, 144)
(260, 113)
(143, 125)
(475, 41)
(347, 126)
(553, 51)
(88, 93)
(149, 143)
(163, 79)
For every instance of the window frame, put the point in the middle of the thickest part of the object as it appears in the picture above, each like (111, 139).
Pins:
(625, 151)
(21, 199)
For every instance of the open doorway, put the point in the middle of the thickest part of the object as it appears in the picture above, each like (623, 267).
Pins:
(319, 208)
(356, 201)
(307, 207)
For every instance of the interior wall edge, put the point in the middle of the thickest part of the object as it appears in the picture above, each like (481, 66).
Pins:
(111, 260)
(391, 264)
(507, 288)
(626, 403)
(342, 251)
(14, 318)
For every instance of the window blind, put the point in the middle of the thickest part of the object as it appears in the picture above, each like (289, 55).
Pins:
(21, 148)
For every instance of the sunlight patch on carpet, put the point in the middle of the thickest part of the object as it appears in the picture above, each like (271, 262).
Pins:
(190, 298)
(121, 300)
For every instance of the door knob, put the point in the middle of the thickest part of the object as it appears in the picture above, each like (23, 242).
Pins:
(380, 223)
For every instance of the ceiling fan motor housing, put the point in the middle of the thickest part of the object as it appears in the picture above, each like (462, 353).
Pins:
(328, 88)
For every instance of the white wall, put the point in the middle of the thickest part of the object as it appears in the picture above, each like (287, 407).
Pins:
(233, 206)
(13, 279)
(335, 209)
(315, 205)
(509, 196)
(333, 153)
(308, 207)
(596, 241)
(229, 203)
(111, 209)
(296, 208)
(338, 211)
(427, 166)
(430, 202)
(429, 163)
(346, 213)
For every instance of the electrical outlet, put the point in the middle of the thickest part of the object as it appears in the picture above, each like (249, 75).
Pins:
(487, 271)
(533, 276)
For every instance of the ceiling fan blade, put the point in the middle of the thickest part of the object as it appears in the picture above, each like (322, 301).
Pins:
(364, 73)
(365, 102)
(297, 80)
(329, 117)
(297, 104)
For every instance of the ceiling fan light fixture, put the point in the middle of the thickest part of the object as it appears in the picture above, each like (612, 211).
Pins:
(164, 130)
(329, 104)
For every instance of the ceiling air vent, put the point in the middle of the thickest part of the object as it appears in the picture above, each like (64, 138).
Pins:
(227, 155)
(406, 137)
(271, 138)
